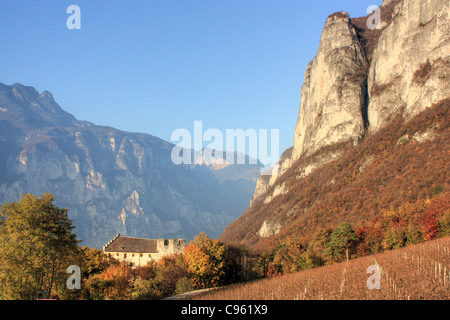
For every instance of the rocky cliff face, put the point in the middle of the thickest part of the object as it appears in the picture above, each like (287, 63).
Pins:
(359, 81)
(362, 78)
(410, 69)
(111, 181)
(334, 90)
(266, 181)
(333, 97)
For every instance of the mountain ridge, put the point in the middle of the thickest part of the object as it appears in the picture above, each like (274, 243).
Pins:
(111, 181)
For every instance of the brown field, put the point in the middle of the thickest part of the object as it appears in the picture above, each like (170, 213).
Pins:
(416, 272)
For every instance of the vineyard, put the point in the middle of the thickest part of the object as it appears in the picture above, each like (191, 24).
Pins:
(416, 272)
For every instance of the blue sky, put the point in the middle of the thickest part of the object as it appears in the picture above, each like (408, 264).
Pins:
(154, 66)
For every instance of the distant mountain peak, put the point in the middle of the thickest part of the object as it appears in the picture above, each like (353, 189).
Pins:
(47, 94)
(24, 107)
(29, 89)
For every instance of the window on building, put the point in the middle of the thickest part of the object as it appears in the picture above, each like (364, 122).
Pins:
(124, 255)
(166, 242)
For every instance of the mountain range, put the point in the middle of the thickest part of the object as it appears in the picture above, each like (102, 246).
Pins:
(110, 180)
(372, 134)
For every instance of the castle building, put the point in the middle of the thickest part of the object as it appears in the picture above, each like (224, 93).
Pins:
(138, 251)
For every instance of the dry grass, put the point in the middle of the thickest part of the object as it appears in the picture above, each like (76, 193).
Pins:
(413, 273)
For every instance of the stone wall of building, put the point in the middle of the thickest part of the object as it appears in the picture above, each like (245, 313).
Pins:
(136, 257)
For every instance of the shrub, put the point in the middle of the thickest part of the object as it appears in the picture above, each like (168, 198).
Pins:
(444, 225)
(308, 261)
(394, 239)
(378, 89)
(437, 190)
(184, 285)
(146, 290)
(423, 73)
(338, 15)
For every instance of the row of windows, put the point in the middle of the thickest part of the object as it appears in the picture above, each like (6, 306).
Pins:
(132, 255)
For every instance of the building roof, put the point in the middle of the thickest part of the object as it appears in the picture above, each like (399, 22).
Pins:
(129, 244)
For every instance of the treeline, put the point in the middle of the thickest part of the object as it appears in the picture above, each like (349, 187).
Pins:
(409, 224)
(207, 263)
(204, 263)
(37, 246)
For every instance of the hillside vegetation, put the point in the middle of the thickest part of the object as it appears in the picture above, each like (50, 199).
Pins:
(390, 178)
(420, 271)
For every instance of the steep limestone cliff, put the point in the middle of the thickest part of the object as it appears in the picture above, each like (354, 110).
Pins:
(360, 80)
(333, 98)
(410, 68)
(333, 94)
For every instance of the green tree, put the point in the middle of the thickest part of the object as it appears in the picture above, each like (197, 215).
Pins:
(36, 247)
(343, 240)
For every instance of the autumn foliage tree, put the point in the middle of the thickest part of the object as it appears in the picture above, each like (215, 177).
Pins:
(206, 260)
(431, 227)
(36, 247)
(436, 212)
(112, 284)
(371, 239)
(146, 272)
(170, 269)
(291, 256)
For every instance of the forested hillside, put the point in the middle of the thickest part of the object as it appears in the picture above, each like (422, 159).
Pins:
(399, 174)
